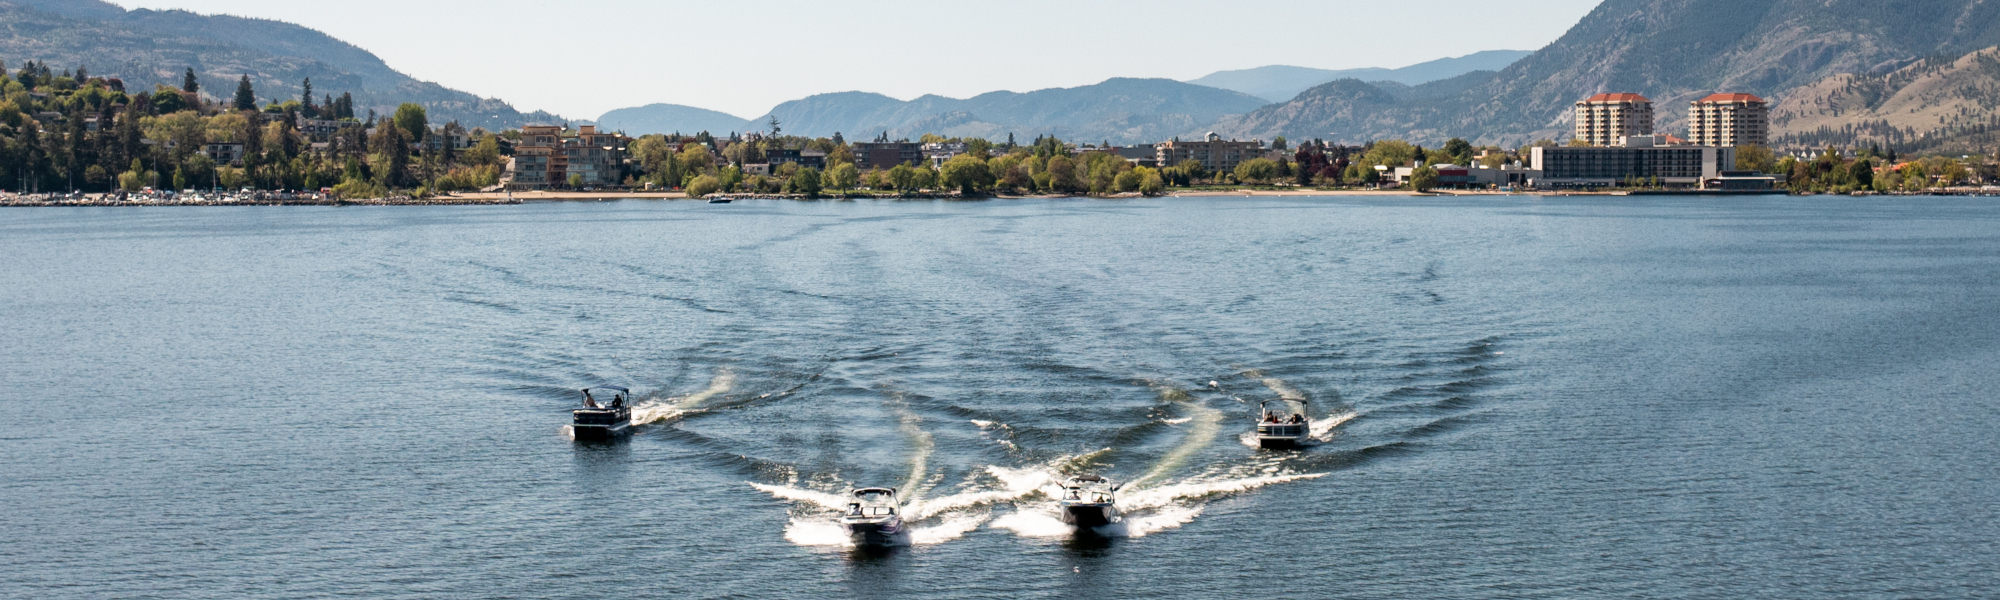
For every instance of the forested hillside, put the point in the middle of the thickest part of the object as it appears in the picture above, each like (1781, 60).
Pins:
(145, 47)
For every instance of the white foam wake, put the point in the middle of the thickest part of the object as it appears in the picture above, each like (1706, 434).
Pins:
(655, 411)
(1322, 429)
(832, 502)
(1161, 496)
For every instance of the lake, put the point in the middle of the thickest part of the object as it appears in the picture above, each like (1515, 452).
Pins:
(1514, 397)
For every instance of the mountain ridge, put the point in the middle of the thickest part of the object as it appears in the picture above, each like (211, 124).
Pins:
(1119, 110)
(148, 47)
(1279, 83)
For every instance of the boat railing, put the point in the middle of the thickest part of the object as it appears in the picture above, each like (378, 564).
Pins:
(1287, 429)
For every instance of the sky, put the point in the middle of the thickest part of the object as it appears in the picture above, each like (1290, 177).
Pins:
(581, 58)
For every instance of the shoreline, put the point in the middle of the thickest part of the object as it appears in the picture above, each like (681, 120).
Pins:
(502, 198)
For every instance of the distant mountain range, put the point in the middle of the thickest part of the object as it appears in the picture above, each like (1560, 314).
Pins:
(1672, 51)
(671, 118)
(1120, 111)
(147, 47)
(1280, 83)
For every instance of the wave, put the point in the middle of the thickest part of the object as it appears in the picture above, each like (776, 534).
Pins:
(1203, 425)
(655, 411)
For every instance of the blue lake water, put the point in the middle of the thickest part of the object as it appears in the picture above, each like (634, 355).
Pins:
(1534, 398)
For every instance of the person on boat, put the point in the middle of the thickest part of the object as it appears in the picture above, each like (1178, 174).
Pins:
(1297, 419)
(589, 402)
(617, 401)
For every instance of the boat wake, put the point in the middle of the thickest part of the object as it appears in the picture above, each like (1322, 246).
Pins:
(668, 409)
(932, 521)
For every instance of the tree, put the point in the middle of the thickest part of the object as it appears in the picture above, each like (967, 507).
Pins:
(1755, 158)
(1150, 182)
(968, 173)
(308, 97)
(843, 176)
(575, 180)
(1390, 153)
(168, 102)
(805, 182)
(246, 97)
(1458, 151)
(1062, 174)
(1279, 143)
(410, 118)
(189, 84)
(703, 186)
(1424, 179)
(1256, 170)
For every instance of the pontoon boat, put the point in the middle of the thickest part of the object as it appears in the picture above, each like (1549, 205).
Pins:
(1089, 501)
(872, 518)
(602, 417)
(1283, 424)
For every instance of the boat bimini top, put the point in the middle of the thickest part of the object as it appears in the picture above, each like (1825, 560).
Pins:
(1281, 410)
(873, 502)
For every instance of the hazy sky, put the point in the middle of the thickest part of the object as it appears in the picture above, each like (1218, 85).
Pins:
(580, 58)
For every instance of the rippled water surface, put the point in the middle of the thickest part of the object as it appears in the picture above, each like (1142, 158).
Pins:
(1516, 397)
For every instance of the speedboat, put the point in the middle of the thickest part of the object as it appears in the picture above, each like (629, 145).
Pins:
(1283, 424)
(1089, 501)
(872, 518)
(719, 200)
(600, 419)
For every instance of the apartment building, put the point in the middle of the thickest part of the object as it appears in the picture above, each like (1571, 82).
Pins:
(1603, 119)
(1632, 159)
(1214, 154)
(1729, 120)
(886, 155)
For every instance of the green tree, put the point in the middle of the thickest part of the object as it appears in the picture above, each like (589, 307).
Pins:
(1150, 182)
(1755, 158)
(970, 174)
(1390, 153)
(246, 97)
(575, 180)
(1127, 181)
(1279, 143)
(1458, 151)
(411, 119)
(168, 102)
(1062, 175)
(843, 176)
(1424, 179)
(1256, 170)
(702, 186)
(806, 181)
(188, 82)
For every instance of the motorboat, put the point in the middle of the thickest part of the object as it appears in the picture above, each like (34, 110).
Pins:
(719, 200)
(1282, 424)
(1089, 501)
(601, 419)
(873, 518)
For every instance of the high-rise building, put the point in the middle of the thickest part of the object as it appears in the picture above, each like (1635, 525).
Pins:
(1604, 118)
(1729, 120)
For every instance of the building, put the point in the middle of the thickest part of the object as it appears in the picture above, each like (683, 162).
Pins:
(438, 139)
(1214, 154)
(1729, 120)
(223, 153)
(1604, 118)
(321, 129)
(597, 158)
(539, 160)
(1634, 159)
(886, 155)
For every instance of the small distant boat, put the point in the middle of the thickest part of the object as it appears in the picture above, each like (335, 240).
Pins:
(872, 518)
(602, 419)
(1283, 424)
(719, 200)
(1089, 501)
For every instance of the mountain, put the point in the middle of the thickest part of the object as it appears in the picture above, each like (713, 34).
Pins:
(1124, 111)
(669, 118)
(147, 47)
(1279, 83)
(1672, 51)
(1936, 104)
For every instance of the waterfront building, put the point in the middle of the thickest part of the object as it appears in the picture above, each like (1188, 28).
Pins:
(539, 161)
(1214, 154)
(886, 155)
(1604, 118)
(597, 157)
(1729, 120)
(1634, 159)
(223, 153)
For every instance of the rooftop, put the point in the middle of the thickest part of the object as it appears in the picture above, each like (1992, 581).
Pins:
(1618, 98)
(1730, 98)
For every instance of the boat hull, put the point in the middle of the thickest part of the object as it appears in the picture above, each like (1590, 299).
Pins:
(1085, 516)
(1280, 442)
(598, 432)
(875, 533)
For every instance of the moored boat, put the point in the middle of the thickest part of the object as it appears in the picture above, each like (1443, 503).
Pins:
(601, 420)
(1283, 424)
(872, 518)
(1089, 501)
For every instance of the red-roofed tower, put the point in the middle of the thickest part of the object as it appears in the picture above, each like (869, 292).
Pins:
(1603, 118)
(1729, 120)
